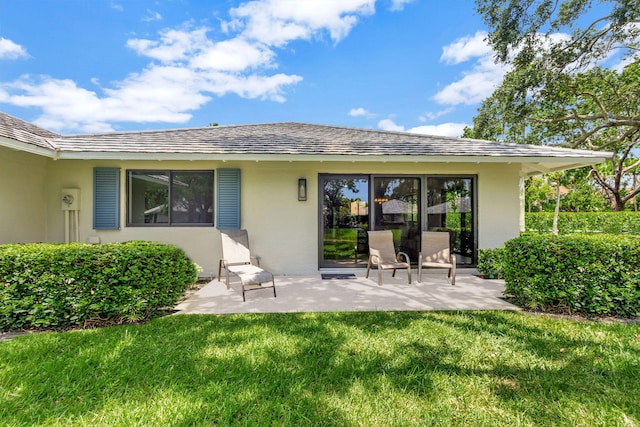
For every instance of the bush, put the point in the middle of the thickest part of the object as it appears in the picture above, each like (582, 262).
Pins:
(590, 274)
(490, 262)
(62, 285)
(589, 222)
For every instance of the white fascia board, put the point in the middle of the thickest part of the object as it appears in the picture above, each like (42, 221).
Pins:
(534, 169)
(28, 148)
(559, 161)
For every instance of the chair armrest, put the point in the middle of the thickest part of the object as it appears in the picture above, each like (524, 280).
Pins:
(231, 264)
(406, 257)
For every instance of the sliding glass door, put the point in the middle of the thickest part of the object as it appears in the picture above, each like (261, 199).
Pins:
(344, 220)
(397, 208)
(450, 207)
(353, 204)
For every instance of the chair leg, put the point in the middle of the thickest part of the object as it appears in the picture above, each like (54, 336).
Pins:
(379, 276)
(243, 298)
(419, 272)
(453, 271)
(394, 273)
(219, 269)
(366, 276)
(227, 280)
(409, 274)
(274, 288)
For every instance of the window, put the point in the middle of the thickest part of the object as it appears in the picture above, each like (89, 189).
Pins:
(166, 198)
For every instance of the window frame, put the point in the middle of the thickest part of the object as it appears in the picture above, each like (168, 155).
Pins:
(170, 173)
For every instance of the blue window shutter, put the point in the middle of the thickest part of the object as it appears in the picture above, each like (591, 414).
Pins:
(106, 198)
(228, 206)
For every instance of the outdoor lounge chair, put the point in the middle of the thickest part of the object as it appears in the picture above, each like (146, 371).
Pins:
(237, 259)
(436, 253)
(383, 254)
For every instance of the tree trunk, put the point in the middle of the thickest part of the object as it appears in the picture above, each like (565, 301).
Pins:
(617, 204)
(556, 212)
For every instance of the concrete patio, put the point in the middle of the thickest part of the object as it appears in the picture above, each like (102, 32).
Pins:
(313, 294)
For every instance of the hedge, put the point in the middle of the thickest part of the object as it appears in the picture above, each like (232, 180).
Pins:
(491, 263)
(590, 222)
(589, 274)
(65, 285)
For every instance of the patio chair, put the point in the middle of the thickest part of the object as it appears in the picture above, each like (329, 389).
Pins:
(436, 253)
(383, 255)
(237, 260)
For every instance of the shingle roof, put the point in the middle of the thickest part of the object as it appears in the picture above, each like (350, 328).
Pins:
(19, 130)
(300, 139)
(277, 140)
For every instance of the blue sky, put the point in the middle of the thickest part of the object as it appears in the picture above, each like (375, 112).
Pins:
(76, 66)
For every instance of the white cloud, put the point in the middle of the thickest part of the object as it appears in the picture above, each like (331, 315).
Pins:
(388, 124)
(151, 16)
(173, 45)
(116, 6)
(429, 115)
(479, 82)
(623, 62)
(397, 5)
(444, 129)
(465, 48)
(276, 22)
(485, 75)
(475, 86)
(233, 55)
(360, 112)
(188, 67)
(11, 50)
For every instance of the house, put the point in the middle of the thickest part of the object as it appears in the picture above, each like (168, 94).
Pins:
(292, 185)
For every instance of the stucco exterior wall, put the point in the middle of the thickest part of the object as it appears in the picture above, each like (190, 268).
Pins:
(23, 208)
(282, 230)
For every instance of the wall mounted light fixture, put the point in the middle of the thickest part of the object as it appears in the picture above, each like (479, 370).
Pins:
(302, 189)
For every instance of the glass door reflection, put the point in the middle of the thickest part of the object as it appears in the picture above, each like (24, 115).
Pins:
(345, 221)
(450, 208)
(397, 208)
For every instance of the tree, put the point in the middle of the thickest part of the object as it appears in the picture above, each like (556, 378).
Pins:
(554, 94)
(537, 193)
(527, 30)
(597, 109)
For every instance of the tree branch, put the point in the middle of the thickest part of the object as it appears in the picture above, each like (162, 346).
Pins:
(603, 183)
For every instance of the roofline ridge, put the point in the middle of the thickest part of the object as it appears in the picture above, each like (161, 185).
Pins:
(141, 131)
(289, 122)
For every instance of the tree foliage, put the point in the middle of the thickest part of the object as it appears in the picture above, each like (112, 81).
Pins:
(556, 94)
(526, 30)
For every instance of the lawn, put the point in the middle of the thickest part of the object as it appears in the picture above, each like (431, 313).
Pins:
(329, 369)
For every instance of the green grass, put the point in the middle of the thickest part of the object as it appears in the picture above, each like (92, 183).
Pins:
(331, 369)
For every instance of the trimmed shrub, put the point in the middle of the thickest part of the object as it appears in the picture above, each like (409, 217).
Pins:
(490, 262)
(589, 274)
(584, 222)
(63, 285)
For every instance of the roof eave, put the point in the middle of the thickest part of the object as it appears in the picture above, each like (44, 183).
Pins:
(539, 163)
(26, 147)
